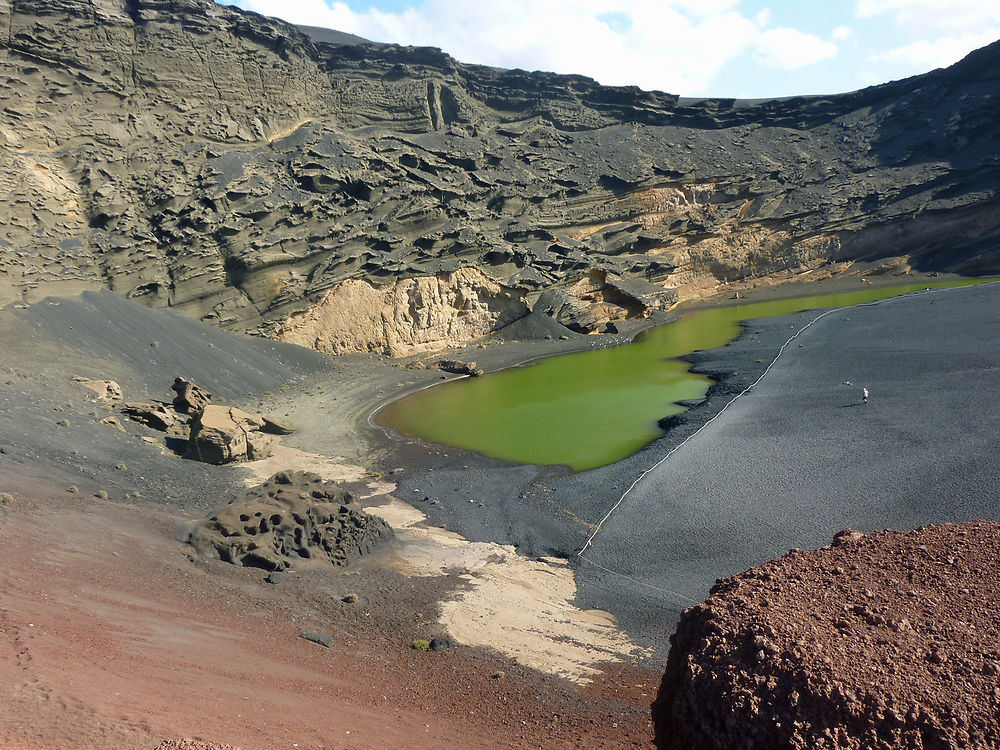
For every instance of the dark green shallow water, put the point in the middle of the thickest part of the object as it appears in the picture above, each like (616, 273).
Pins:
(595, 407)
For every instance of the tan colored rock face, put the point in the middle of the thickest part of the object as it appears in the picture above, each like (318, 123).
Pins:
(108, 391)
(412, 315)
(223, 434)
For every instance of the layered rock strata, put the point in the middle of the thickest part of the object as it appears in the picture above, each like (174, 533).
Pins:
(886, 640)
(254, 176)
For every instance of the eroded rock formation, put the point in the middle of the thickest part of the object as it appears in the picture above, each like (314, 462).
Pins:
(225, 434)
(211, 433)
(241, 171)
(405, 317)
(885, 640)
(294, 518)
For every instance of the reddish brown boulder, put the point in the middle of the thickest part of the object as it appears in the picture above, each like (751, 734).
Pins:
(886, 640)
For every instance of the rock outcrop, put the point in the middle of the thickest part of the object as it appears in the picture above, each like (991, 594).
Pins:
(405, 317)
(212, 433)
(885, 640)
(459, 367)
(191, 398)
(107, 391)
(225, 434)
(293, 519)
(358, 197)
(157, 415)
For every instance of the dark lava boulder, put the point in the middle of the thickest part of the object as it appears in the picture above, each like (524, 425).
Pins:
(885, 640)
(459, 367)
(293, 519)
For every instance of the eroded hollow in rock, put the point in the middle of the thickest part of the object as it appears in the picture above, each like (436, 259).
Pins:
(294, 518)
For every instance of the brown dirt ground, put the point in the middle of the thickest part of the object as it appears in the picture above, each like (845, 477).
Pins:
(112, 636)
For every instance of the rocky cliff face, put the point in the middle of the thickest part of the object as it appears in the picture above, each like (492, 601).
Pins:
(188, 154)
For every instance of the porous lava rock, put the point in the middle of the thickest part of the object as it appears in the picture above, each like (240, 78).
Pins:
(884, 640)
(293, 519)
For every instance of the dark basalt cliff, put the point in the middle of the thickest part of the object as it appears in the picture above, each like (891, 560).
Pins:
(377, 197)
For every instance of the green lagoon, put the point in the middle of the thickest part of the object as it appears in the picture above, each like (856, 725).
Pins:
(594, 407)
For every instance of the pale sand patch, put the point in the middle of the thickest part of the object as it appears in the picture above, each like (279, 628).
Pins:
(519, 607)
(284, 458)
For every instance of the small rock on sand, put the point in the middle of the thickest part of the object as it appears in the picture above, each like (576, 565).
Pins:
(323, 639)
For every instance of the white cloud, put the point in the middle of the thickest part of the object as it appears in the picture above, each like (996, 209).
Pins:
(842, 34)
(786, 49)
(938, 53)
(671, 45)
(951, 16)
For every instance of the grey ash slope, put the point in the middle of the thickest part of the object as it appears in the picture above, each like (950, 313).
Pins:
(228, 165)
(50, 430)
(800, 457)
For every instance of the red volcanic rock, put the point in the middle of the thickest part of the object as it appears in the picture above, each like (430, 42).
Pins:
(885, 640)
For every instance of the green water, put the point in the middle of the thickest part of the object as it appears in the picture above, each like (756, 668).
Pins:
(594, 407)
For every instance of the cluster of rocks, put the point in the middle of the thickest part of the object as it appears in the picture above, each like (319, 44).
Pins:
(885, 640)
(294, 518)
(214, 433)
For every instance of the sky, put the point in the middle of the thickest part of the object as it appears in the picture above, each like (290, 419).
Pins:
(719, 48)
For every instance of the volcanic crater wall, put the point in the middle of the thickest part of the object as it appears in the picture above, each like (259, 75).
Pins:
(188, 154)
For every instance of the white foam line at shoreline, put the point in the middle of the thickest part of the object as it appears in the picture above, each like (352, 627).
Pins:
(677, 447)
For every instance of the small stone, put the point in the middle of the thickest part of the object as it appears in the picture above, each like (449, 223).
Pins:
(350, 599)
(72, 489)
(498, 675)
(275, 577)
(113, 422)
(102, 494)
(440, 644)
(323, 639)
(63, 423)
